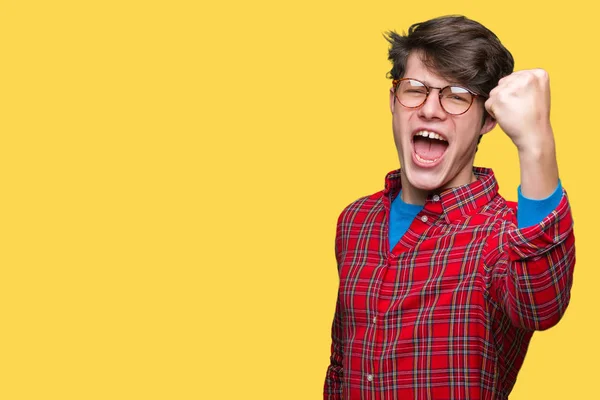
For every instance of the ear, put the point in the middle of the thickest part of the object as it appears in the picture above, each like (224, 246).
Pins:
(488, 124)
(392, 100)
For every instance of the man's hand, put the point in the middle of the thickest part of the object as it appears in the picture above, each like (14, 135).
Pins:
(521, 106)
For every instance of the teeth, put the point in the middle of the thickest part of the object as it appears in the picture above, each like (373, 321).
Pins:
(426, 161)
(431, 135)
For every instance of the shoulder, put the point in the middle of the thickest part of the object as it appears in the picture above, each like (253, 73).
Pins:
(500, 210)
(496, 217)
(499, 218)
(361, 208)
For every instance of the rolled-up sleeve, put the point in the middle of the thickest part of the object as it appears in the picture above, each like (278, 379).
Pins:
(531, 269)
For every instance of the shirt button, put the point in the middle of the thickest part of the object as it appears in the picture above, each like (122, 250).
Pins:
(370, 377)
(424, 218)
(436, 198)
(374, 320)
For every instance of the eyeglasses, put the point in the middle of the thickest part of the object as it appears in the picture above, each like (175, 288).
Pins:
(412, 93)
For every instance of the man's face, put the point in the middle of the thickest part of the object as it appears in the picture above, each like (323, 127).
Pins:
(429, 164)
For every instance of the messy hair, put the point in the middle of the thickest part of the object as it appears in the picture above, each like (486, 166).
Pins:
(456, 48)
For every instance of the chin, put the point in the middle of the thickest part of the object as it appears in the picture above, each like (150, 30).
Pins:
(426, 179)
(428, 185)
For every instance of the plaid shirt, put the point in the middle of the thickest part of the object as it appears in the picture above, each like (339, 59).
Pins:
(449, 312)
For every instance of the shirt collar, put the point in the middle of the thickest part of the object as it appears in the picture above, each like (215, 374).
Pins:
(457, 202)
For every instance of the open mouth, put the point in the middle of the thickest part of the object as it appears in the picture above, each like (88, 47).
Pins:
(429, 147)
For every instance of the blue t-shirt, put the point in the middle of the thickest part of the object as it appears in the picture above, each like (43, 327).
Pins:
(530, 212)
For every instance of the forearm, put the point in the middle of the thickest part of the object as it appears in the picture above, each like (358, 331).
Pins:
(539, 168)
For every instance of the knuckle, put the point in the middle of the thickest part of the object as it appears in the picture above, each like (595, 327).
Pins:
(541, 74)
(502, 96)
(530, 76)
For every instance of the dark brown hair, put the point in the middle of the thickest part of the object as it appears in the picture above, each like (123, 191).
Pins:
(458, 49)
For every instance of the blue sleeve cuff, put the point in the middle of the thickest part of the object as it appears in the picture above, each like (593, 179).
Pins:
(531, 212)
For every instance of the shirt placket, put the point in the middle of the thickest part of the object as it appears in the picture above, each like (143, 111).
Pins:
(379, 307)
(373, 377)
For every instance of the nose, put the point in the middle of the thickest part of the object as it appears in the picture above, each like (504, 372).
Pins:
(432, 109)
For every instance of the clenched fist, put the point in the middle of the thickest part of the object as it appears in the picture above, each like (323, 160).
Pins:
(521, 106)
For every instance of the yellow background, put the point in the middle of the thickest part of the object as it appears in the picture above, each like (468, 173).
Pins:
(171, 173)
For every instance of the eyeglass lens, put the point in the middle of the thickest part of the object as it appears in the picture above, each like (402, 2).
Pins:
(453, 99)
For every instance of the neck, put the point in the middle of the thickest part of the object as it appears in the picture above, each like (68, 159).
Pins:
(411, 195)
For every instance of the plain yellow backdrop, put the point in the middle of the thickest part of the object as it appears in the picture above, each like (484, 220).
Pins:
(172, 171)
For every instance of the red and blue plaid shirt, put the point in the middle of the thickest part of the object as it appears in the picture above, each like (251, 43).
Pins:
(448, 313)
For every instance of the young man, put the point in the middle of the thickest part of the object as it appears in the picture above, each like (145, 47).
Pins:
(442, 281)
